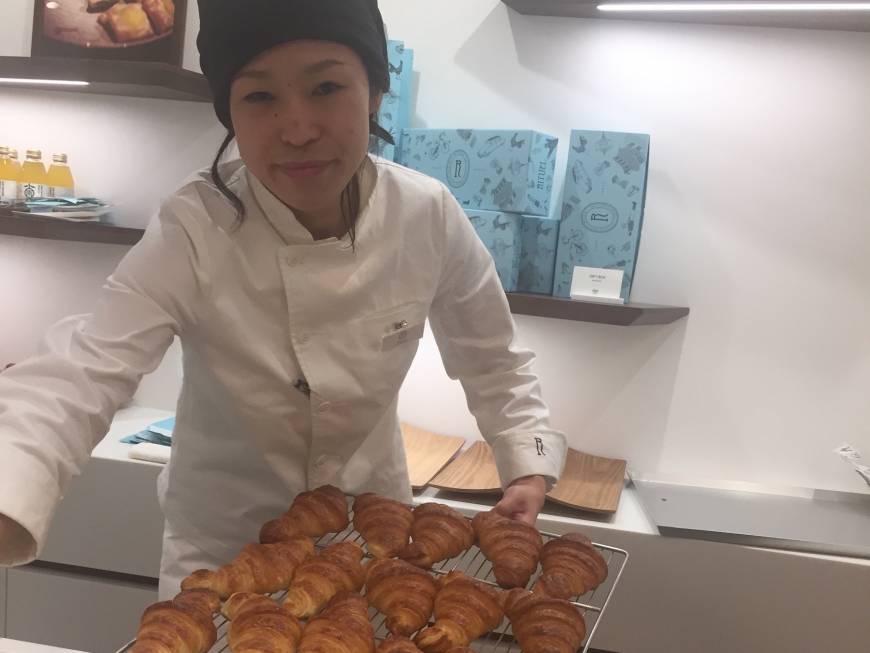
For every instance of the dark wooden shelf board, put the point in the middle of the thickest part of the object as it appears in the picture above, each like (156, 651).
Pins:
(133, 79)
(851, 21)
(85, 232)
(520, 303)
(617, 314)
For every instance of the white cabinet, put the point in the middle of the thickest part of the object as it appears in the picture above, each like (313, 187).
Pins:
(109, 520)
(71, 610)
(2, 603)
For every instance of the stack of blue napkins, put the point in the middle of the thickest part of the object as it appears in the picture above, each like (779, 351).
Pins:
(156, 433)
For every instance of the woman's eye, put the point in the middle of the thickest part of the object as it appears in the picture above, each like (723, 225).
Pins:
(258, 96)
(327, 88)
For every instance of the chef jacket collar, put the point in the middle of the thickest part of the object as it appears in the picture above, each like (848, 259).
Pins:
(284, 221)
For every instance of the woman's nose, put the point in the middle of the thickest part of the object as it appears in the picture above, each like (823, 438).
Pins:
(297, 124)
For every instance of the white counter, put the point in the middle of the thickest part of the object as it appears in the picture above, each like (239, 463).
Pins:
(15, 646)
(676, 595)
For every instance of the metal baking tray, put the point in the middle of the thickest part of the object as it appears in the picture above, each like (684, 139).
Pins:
(473, 563)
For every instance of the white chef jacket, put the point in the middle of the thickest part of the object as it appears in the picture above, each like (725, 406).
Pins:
(259, 307)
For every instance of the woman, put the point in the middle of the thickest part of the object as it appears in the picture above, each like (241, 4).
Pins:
(298, 280)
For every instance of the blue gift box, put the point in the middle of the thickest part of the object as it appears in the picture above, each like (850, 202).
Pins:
(486, 170)
(539, 241)
(602, 210)
(395, 111)
(500, 232)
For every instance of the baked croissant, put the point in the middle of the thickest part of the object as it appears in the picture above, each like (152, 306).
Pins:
(393, 644)
(438, 532)
(465, 609)
(259, 625)
(335, 569)
(262, 568)
(385, 524)
(512, 546)
(570, 566)
(182, 625)
(313, 514)
(402, 592)
(543, 624)
(343, 627)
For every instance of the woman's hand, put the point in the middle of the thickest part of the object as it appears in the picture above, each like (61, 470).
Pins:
(523, 499)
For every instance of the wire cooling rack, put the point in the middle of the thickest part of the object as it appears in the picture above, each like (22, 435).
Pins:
(473, 563)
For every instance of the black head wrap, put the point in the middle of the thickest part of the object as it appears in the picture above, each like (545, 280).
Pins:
(233, 32)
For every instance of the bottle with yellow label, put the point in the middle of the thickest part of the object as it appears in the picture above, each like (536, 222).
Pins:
(59, 181)
(32, 180)
(13, 156)
(8, 178)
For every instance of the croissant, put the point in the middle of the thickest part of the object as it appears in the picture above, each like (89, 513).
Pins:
(343, 627)
(571, 566)
(543, 624)
(182, 625)
(263, 568)
(259, 625)
(335, 569)
(385, 524)
(313, 514)
(439, 532)
(393, 644)
(465, 609)
(512, 546)
(403, 592)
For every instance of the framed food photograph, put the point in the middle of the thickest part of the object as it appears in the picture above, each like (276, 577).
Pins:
(127, 30)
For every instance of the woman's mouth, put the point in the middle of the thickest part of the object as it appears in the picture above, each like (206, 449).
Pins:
(301, 169)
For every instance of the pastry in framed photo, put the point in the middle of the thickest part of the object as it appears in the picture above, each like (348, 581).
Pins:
(132, 30)
(126, 23)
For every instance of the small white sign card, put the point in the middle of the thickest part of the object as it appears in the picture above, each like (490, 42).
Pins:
(597, 285)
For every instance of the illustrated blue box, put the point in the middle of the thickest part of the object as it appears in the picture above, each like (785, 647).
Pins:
(603, 206)
(501, 233)
(395, 111)
(539, 240)
(485, 169)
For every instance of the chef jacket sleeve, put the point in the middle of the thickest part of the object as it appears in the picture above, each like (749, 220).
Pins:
(476, 335)
(56, 406)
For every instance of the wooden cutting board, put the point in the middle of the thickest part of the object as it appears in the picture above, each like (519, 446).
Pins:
(427, 453)
(589, 482)
(473, 471)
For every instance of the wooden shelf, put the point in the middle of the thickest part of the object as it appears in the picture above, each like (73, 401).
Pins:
(617, 314)
(851, 21)
(133, 79)
(520, 303)
(32, 226)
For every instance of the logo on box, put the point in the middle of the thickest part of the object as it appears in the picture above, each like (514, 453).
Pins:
(600, 217)
(458, 168)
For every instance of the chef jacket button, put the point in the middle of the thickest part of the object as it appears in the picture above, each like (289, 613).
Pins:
(324, 407)
(303, 339)
(321, 461)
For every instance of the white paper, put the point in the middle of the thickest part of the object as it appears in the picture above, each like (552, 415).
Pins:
(598, 284)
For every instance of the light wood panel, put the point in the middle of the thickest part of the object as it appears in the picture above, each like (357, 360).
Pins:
(473, 470)
(590, 482)
(427, 453)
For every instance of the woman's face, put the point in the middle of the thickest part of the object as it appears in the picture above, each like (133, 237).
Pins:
(301, 116)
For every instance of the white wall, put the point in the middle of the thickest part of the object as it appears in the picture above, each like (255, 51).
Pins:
(756, 219)
(131, 152)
